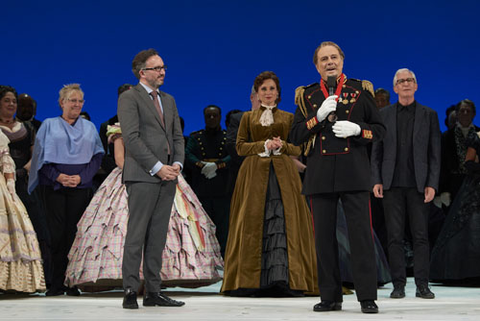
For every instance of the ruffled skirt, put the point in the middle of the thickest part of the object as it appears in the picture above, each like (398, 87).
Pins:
(191, 256)
(20, 259)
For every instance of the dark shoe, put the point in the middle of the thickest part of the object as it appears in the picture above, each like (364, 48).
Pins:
(325, 306)
(130, 299)
(158, 298)
(398, 292)
(369, 306)
(73, 291)
(424, 292)
(55, 292)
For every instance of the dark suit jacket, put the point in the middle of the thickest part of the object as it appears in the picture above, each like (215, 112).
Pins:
(426, 149)
(144, 135)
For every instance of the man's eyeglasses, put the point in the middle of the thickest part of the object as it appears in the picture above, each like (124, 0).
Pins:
(401, 81)
(81, 101)
(157, 69)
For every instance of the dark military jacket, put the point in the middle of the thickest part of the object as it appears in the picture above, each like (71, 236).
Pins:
(209, 146)
(337, 164)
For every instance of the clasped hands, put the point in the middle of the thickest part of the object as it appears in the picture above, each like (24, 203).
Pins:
(209, 169)
(169, 172)
(274, 144)
(69, 180)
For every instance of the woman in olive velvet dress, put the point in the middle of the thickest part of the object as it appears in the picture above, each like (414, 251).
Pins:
(270, 249)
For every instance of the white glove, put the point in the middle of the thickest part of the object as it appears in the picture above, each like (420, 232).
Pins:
(437, 202)
(209, 170)
(11, 187)
(345, 128)
(446, 198)
(328, 105)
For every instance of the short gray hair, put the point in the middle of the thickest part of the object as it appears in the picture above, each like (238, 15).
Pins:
(67, 91)
(402, 70)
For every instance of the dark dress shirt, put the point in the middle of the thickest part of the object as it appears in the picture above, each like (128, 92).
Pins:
(404, 175)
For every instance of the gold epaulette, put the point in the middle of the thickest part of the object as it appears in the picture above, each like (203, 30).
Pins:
(299, 95)
(368, 86)
(300, 102)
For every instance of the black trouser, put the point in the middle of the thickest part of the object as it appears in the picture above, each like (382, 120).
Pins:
(400, 203)
(64, 208)
(357, 214)
(218, 208)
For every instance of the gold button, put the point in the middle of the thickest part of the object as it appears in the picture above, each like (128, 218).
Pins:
(203, 154)
(357, 92)
(221, 148)
(347, 111)
(223, 143)
(324, 151)
(314, 105)
(323, 137)
(346, 149)
(344, 86)
(201, 143)
(309, 97)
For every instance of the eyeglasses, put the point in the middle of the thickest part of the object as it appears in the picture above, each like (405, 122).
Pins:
(401, 81)
(81, 101)
(157, 69)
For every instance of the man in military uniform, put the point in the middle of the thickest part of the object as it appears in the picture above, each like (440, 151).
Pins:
(335, 130)
(208, 160)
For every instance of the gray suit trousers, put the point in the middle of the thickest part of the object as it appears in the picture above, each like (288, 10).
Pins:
(150, 205)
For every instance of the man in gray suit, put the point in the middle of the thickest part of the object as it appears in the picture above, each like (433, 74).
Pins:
(154, 153)
(405, 173)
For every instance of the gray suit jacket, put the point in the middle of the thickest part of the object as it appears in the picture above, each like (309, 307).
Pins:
(144, 135)
(426, 149)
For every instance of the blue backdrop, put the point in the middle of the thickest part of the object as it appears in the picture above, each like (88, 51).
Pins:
(214, 49)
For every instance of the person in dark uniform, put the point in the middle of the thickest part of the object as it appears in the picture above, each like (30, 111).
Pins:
(335, 131)
(208, 160)
(26, 110)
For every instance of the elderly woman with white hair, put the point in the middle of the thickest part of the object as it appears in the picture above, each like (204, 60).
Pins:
(67, 154)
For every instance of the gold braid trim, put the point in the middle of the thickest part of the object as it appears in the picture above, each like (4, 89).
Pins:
(368, 86)
(300, 102)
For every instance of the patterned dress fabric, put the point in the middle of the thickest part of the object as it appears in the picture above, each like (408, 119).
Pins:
(191, 256)
(20, 259)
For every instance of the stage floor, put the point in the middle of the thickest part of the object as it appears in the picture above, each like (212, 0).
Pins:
(451, 303)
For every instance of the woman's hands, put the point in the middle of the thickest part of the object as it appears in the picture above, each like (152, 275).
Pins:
(275, 143)
(69, 180)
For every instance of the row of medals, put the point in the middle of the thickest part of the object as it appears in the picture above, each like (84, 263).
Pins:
(344, 100)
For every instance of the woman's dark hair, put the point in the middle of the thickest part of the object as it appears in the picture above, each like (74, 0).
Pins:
(5, 89)
(467, 102)
(260, 79)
